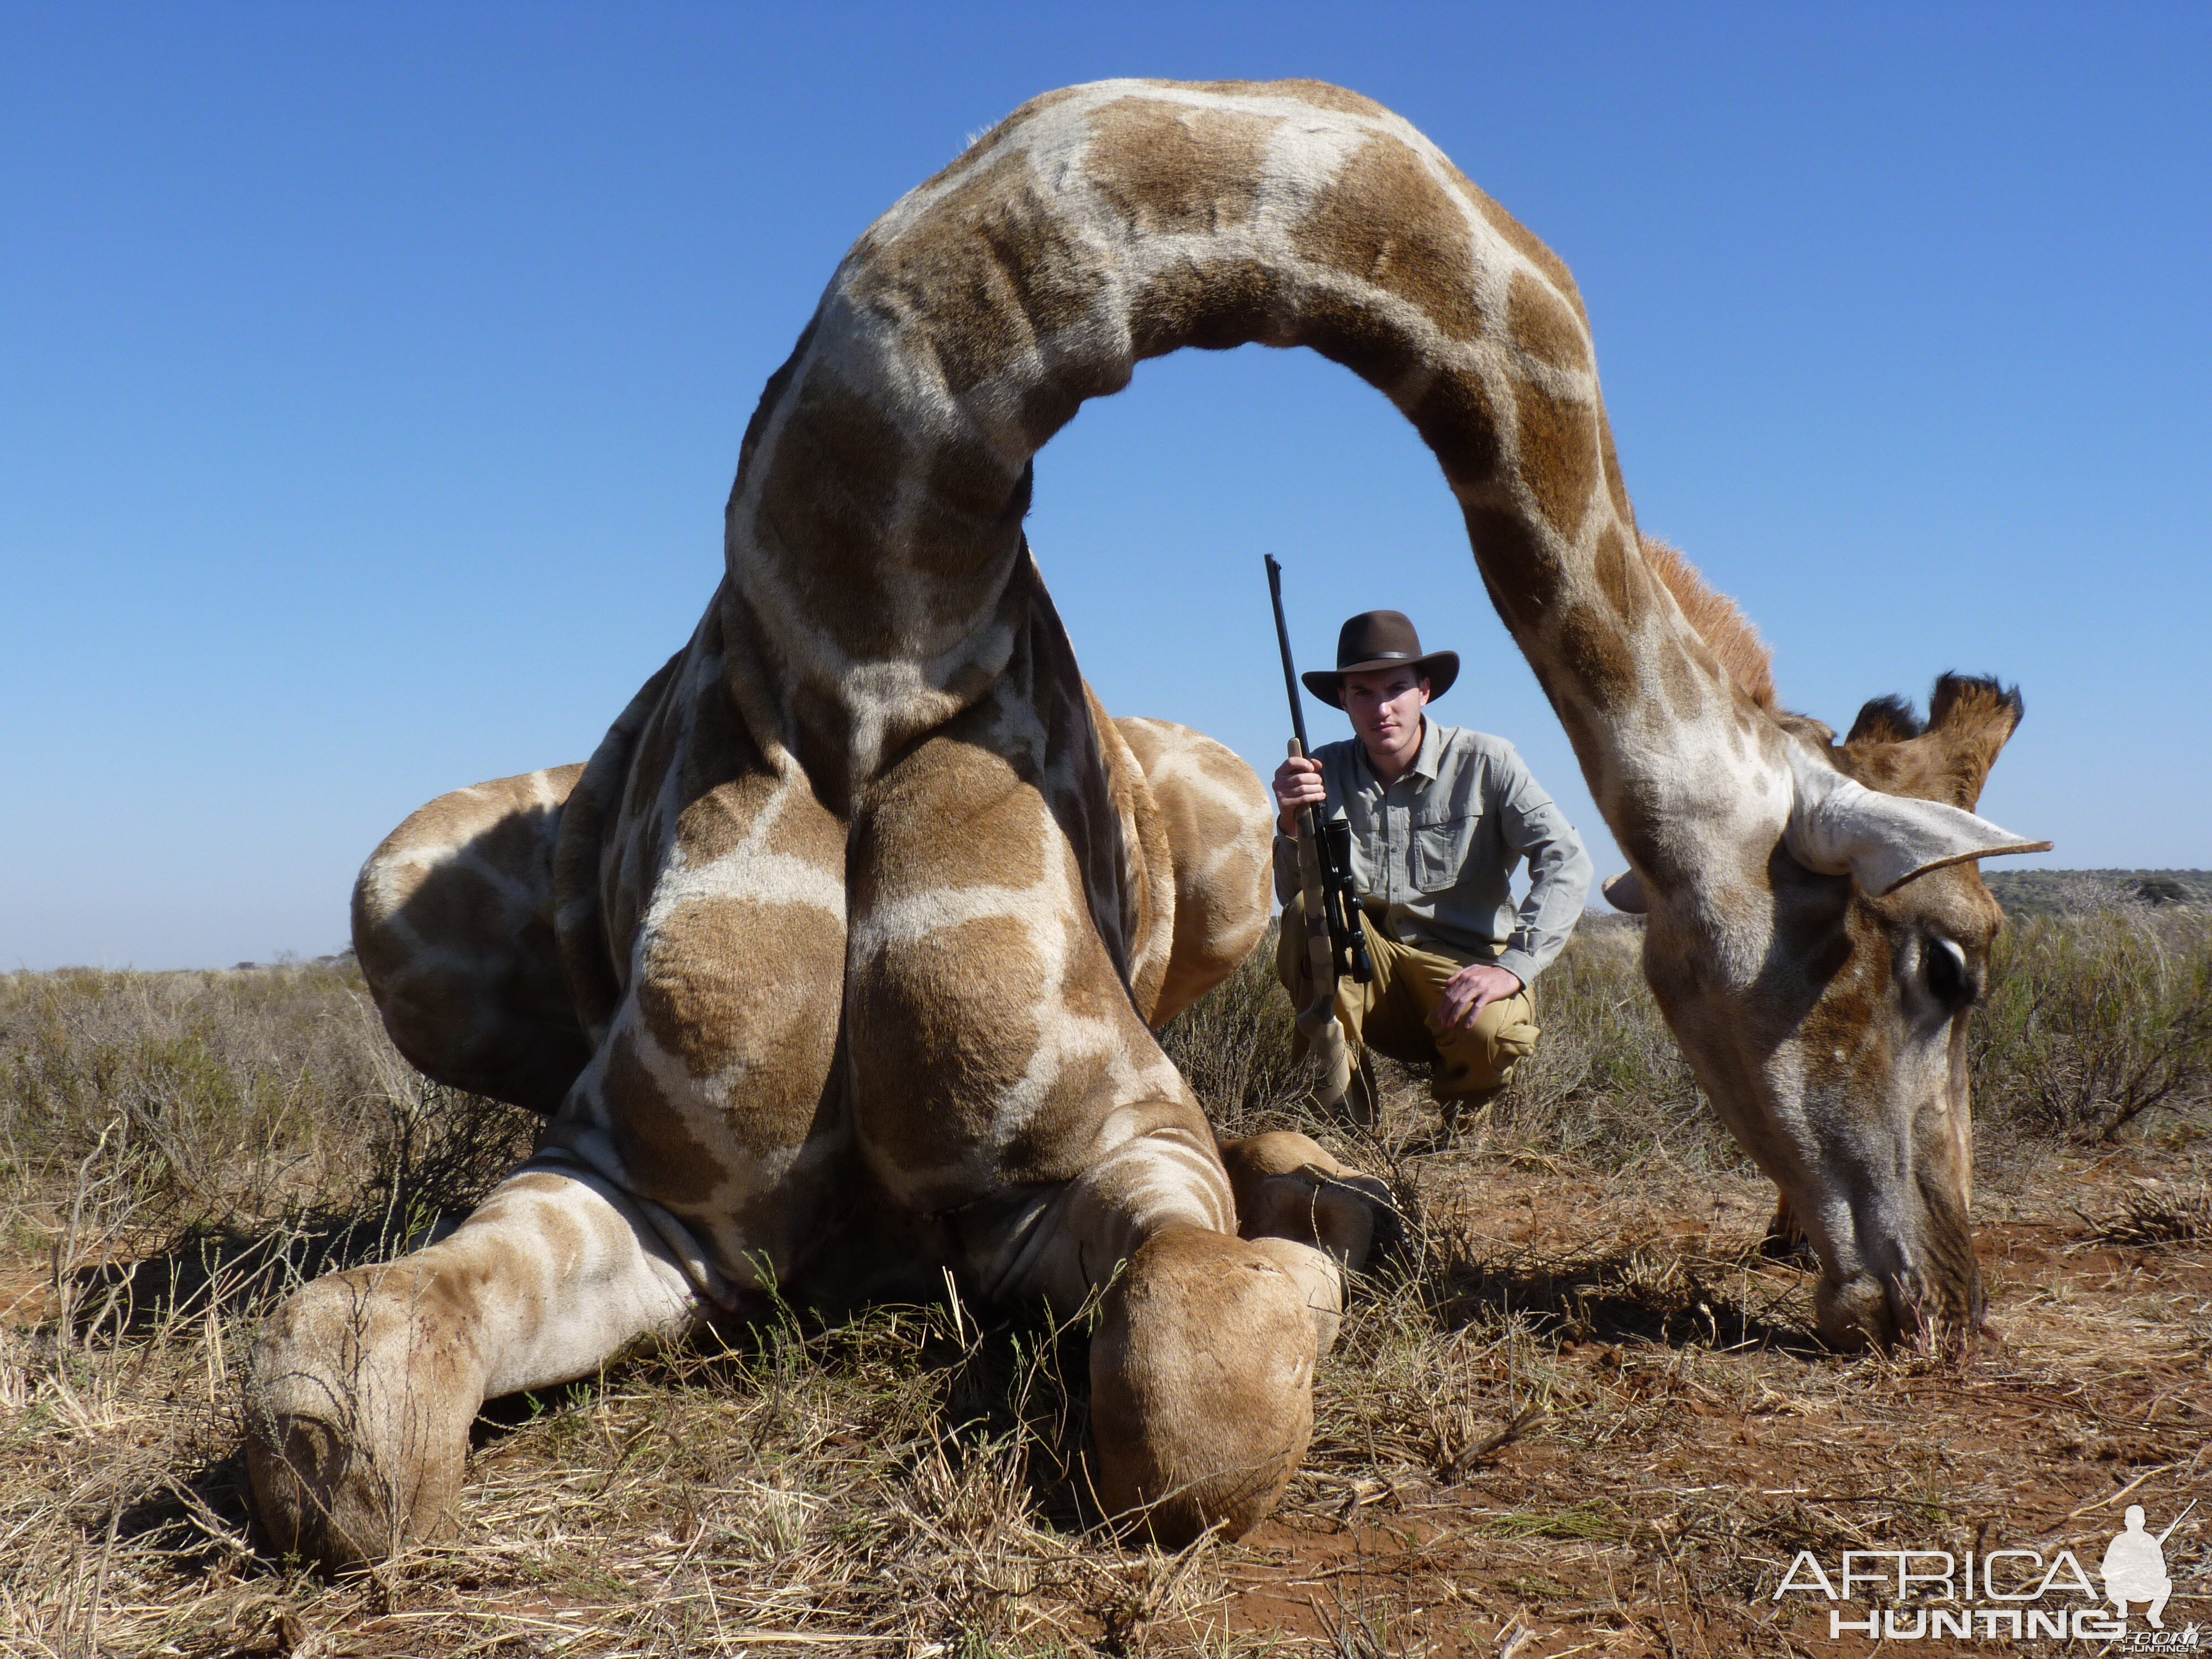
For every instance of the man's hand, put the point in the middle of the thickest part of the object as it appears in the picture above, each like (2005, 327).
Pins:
(1298, 786)
(1471, 990)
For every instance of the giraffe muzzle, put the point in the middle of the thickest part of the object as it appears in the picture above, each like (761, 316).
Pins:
(1917, 1284)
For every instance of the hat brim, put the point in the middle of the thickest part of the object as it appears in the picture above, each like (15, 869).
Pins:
(1439, 668)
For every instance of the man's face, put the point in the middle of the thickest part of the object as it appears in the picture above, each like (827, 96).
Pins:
(1385, 705)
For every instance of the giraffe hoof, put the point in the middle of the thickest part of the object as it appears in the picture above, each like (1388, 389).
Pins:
(1287, 1187)
(1201, 1386)
(326, 1500)
(354, 1448)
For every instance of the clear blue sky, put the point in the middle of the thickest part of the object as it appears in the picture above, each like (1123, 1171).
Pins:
(370, 379)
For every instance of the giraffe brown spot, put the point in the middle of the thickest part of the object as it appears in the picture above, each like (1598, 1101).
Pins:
(1638, 820)
(1557, 443)
(1518, 236)
(1385, 221)
(1843, 1018)
(1212, 304)
(1521, 572)
(967, 523)
(589, 968)
(654, 753)
(1003, 825)
(989, 270)
(1544, 327)
(1029, 112)
(969, 479)
(1681, 683)
(1044, 1149)
(1596, 657)
(941, 1030)
(1619, 577)
(829, 500)
(1454, 416)
(740, 983)
(771, 395)
(1582, 735)
(1170, 168)
(665, 1160)
(724, 777)
(1616, 486)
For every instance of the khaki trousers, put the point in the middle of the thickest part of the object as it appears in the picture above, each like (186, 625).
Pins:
(1395, 1014)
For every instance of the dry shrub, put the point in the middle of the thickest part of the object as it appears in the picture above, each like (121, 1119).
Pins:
(2158, 1213)
(166, 1138)
(1607, 1088)
(1234, 1045)
(2096, 1020)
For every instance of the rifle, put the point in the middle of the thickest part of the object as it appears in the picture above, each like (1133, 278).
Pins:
(1336, 940)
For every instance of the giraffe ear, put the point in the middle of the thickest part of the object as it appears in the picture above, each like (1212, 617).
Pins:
(1839, 827)
(1626, 893)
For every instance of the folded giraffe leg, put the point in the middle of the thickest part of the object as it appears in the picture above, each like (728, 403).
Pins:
(360, 1391)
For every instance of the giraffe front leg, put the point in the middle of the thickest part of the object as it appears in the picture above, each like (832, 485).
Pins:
(361, 1392)
(1202, 1361)
(1288, 1186)
(1202, 1379)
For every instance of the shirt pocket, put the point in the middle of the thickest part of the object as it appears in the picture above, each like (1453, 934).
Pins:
(1439, 849)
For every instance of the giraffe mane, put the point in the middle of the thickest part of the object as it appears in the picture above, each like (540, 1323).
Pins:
(1723, 626)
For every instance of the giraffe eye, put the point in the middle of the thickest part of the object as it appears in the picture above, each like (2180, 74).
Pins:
(1944, 963)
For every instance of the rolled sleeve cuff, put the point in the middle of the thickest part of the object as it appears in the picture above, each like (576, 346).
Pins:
(1521, 965)
(1286, 869)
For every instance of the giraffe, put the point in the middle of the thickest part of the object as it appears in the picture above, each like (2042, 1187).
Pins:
(858, 926)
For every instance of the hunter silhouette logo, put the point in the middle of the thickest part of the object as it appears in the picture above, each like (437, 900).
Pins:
(2015, 1593)
(2133, 1567)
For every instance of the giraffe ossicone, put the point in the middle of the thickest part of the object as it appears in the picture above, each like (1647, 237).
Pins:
(834, 966)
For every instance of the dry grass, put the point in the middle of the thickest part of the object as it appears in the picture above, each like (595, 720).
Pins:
(1583, 1414)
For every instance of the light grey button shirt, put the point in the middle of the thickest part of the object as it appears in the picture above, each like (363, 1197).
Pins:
(1435, 851)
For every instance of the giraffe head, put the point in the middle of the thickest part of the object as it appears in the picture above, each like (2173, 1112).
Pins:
(1839, 1060)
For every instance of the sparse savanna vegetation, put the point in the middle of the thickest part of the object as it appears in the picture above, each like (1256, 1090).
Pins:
(1582, 1412)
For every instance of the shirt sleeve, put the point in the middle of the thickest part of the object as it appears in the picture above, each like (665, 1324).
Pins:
(1531, 823)
(1286, 870)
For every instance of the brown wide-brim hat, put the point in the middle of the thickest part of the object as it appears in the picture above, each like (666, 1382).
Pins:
(1381, 638)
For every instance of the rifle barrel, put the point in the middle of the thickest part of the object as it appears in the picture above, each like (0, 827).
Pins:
(1290, 669)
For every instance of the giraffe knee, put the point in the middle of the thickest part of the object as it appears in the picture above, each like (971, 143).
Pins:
(1201, 1381)
(358, 1400)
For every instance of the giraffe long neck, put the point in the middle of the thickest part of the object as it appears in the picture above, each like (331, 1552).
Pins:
(874, 532)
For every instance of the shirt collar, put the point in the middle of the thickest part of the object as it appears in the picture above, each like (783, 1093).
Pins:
(1432, 750)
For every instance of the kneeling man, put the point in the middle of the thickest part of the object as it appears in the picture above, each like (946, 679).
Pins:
(1439, 817)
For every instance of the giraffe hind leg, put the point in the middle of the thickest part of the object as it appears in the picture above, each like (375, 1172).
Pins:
(453, 926)
(1288, 1186)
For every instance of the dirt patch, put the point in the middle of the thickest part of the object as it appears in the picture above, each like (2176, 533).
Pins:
(1694, 1436)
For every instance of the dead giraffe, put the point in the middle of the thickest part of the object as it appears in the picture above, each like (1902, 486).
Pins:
(856, 929)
